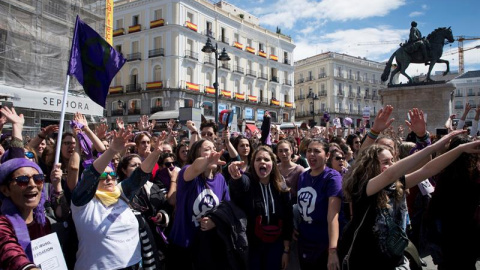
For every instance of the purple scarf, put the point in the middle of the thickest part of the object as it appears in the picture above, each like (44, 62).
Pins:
(9, 209)
(85, 144)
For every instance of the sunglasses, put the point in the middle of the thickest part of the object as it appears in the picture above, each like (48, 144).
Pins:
(209, 134)
(23, 180)
(339, 158)
(105, 174)
(29, 154)
(168, 164)
(357, 142)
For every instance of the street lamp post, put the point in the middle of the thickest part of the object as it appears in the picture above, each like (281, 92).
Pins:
(313, 97)
(208, 48)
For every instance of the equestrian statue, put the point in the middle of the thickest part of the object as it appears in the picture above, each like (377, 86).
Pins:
(419, 50)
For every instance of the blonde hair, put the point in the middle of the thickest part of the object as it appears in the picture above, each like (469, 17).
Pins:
(367, 166)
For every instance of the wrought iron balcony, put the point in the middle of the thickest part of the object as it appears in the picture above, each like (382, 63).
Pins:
(118, 112)
(133, 111)
(134, 56)
(191, 55)
(300, 80)
(132, 88)
(238, 69)
(156, 52)
(274, 79)
(209, 60)
(287, 82)
(225, 66)
(251, 73)
(223, 39)
(263, 76)
(322, 75)
(209, 33)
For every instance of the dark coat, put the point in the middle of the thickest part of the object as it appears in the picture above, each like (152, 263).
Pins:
(231, 227)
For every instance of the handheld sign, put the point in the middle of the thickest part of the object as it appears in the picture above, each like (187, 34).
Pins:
(47, 253)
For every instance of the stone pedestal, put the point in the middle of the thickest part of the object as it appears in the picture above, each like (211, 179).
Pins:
(434, 99)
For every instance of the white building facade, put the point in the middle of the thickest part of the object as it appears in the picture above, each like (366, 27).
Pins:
(467, 89)
(339, 84)
(166, 69)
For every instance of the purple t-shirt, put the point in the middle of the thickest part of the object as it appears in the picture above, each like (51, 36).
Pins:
(312, 199)
(194, 199)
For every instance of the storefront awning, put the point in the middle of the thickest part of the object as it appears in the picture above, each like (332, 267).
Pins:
(165, 115)
(252, 128)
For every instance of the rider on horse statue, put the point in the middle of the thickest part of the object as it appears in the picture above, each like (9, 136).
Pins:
(416, 41)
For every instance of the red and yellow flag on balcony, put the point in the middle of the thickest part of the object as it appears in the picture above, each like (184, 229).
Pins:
(226, 93)
(119, 32)
(288, 104)
(115, 90)
(193, 86)
(240, 96)
(238, 45)
(273, 57)
(275, 102)
(262, 54)
(154, 85)
(210, 90)
(191, 26)
(250, 50)
(157, 23)
(134, 28)
(252, 98)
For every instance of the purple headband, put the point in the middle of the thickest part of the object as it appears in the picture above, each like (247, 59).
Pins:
(10, 210)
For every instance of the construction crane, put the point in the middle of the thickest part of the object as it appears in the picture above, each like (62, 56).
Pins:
(461, 63)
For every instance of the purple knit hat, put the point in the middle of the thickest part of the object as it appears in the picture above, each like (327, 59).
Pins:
(10, 210)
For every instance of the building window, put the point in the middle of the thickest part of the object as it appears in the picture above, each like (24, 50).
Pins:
(190, 17)
(135, 20)
(189, 77)
(157, 14)
(135, 47)
(209, 28)
(188, 103)
(208, 108)
(119, 23)
(237, 87)
(157, 103)
(134, 106)
(157, 73)
(157, 42)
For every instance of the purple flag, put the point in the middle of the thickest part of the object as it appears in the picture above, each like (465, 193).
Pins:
(93, 62)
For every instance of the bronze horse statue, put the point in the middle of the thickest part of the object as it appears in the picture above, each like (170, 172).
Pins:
(404, 57)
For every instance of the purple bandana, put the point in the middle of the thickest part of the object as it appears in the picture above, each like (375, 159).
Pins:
(11, 211)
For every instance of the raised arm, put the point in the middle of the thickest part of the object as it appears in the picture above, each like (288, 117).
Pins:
(461, 122)
(382, 121)
(42, 135)
(17, 121)
(474, 129)
(96, 142)
(201, 163)
(232, 152)
(73, 168)
(403, 166)
(437, 164)
(194, 136)
(86, 188)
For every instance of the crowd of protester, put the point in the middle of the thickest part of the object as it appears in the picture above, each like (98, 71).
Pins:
(204, 198)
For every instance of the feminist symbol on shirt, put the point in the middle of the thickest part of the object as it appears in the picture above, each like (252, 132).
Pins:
(205, 201)
(306, 202)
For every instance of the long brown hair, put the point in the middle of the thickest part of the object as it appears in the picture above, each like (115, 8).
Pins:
(275, 176)
(366, 167)
(194, 153)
